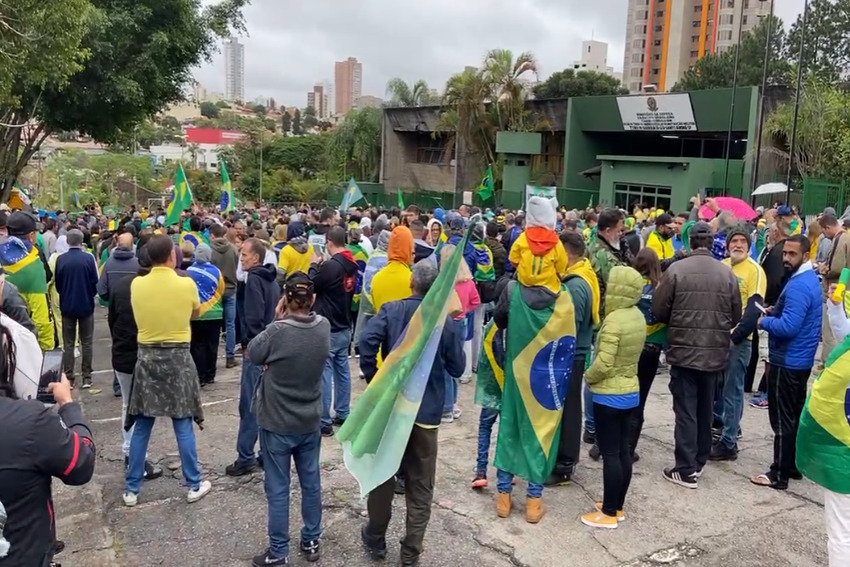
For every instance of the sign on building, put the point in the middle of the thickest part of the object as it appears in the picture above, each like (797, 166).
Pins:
(550, 193)
(657, 112)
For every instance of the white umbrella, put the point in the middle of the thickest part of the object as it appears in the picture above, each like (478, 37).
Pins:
(770, 189)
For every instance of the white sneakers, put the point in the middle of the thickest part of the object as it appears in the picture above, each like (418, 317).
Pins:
(203, 490)
(193, 495)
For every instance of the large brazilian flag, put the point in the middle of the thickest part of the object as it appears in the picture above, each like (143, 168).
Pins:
(491, 368)
(823, 438)
(540, 347)
(375, 435)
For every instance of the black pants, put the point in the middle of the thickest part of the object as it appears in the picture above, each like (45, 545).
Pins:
(750, 376)
(206, 335)
(786, 395)
(69, 340)
(569, 447)
(693, 401)
(647, 368)
(420, 467)
(613, 427)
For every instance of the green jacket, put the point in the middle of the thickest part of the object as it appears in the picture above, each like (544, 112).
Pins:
(603, 258)
(621, 337)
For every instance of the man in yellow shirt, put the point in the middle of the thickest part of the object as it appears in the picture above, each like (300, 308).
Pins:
(661, 239)
(165, 381)
(752, 284)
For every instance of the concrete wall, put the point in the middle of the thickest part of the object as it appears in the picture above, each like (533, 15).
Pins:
(400, 169)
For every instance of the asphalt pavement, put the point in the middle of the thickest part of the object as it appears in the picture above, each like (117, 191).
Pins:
(727, 522)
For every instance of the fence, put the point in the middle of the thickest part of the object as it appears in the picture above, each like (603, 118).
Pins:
(821, 193)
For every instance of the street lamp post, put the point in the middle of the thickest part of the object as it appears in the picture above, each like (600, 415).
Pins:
(734, 93)
(792, 146)
(756, 166)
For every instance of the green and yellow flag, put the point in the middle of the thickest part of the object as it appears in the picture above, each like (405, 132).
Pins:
(485, 188)
(491, 368)
(400, 199)
(227, 204)
(181, 200)
(375, 435)
(539, 350)
(823, 438)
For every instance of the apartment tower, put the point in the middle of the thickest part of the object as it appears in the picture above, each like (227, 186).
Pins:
(664, 38)
(348, 83)
(234, 70)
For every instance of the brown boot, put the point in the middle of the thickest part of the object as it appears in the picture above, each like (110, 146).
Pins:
(534, 510)
(503, 504)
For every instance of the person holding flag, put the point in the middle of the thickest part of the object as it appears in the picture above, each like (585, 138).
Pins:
(485, 188)
(540, 344)
(351, 196)
(181, 201)
(227, 205)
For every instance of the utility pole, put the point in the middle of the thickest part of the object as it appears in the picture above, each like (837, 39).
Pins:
(734, 93)
(763, 98)
(793, 145)
(261, 168)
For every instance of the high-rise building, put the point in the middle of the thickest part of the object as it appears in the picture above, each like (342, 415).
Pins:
(348, 83)
(319, 99)
(665, 38)
(594, 57)
(234, 70)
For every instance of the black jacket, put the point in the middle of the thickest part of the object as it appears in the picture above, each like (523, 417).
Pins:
(500, 255)
(383, 331)
(261, 296)
(774, 271)
(122, 326)
(38, 444)
(333, 281)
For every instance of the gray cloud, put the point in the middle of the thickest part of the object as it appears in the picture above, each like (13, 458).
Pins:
(293, 45)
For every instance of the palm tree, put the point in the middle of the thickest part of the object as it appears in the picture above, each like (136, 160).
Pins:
(466, 114)
(404, 95)
(508, 81)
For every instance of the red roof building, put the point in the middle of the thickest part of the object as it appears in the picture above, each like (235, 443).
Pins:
(213, 136)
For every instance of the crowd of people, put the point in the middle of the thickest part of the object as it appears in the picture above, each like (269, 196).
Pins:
(573, 312)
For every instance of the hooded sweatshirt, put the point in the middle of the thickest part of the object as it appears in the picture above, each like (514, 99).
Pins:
(225, 258)
(121, 264)
(261, 297)
(539, 258)
(393, 281)
(295, 256)
(334, 282)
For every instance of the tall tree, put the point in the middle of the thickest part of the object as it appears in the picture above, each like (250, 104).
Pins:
(355, 145)
(310, 120)
(296, 123)
(285, 121)
(402, 94)
(140, 55)
(569, 83)
(210, 110)
(508, 80)
(827, 41)
(718, 70)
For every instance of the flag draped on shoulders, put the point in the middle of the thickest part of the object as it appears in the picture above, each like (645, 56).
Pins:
(22, 265)
(539, 351)
(823, 438)
(194, 237)
(361, 258)
(491, 368)
(375, 435)
(210, 284)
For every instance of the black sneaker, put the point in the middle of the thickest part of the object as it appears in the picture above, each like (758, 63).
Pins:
(594, 452)
(338, 421)
(87, 384)
(558, 479)
(152, 471)
(377, 550)
(327, 431)
(237, 469)
(399, 485)
(231, 363)
(635, 457)
(589, 437)
(719, 452)
(58, 547)
(268, 559)
(311, 550)
(716, 433)
(676, 477)
(795, 475)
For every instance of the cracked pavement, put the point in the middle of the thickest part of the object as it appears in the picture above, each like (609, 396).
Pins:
(727, 522)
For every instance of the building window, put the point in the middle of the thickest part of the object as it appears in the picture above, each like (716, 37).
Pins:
(655, 71)
(657, 42)
(656, 57)
(727, 19)
(627, 196)
(724, 35)
(636, 72)
(697, 9)
(694, 38)
(659, 14)
(634, 86)
(730, 3)
(637, 58)
(639, 43)
(694, 53)
(640, 28)
(658, 28)
(744, 20)
(746, 4)
(641, 15)
(588, 49)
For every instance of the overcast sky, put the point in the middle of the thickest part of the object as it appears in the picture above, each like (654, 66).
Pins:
(292, 45)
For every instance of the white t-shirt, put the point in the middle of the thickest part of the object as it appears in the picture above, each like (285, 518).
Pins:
(28, 359)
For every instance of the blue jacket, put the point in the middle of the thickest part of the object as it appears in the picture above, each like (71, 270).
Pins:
(76, 282)
(384, 330)
(795, 325)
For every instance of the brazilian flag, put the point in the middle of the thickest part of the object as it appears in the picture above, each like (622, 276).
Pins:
(540, 347)
(484, 270)
(823, 438)
(491, 368)
(194, 237)
(361, 259)
(22, 265)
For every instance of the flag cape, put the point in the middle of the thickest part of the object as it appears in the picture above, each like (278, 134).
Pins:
(485, 188)
(823, 438)
(375, 435)
(22, 265)
(540, 347)
(351, 196)
(484, 271)
(181, 200)
(226, 191)
(210, 283)
(491, 368)
(361, 259)
(193, 237)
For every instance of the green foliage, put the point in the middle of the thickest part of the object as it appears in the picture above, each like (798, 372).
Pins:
(355, 145)
(569, 83)
(210, 110)
(296, 123)
(285, 122)
(259, 110)
(718, 70)
(401, 94)
(310, 120)
(827, 45)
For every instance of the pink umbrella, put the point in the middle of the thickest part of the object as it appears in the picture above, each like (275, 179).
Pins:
(739, 209)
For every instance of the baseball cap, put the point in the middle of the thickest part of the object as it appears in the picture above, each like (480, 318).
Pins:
(701, 228)
(784, 211)
(664, 219)
(20, 223)
(298, 284)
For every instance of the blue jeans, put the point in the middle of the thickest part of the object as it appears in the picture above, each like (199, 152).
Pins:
(589, 421)
(228, 304)
(185, 446)
(451, 393)
(485, 431)
(504, 480)
(733, 392)
(278, 452)
(246, 439)
(336, 379)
